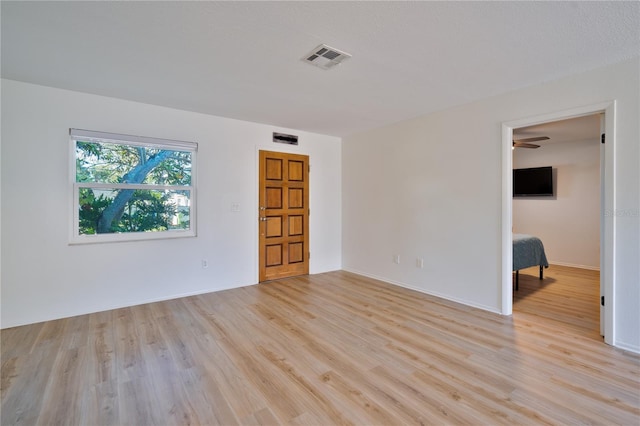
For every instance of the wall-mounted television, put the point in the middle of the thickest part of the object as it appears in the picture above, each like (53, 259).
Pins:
(533, 182)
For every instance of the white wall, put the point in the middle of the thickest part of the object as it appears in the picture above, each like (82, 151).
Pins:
(569, 222)
(431, 187)
(43, 277)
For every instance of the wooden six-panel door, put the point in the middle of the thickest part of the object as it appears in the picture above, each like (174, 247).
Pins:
(284, 215)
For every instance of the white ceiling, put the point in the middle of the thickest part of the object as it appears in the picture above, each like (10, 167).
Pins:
(585, 128)
(242, 59)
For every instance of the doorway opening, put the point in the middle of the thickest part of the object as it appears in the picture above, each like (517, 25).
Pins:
(564, 214)
(607, 222)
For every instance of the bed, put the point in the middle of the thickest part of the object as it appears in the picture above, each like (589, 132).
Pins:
(528, 251)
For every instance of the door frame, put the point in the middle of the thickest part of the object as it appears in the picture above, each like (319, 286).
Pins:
(285, 149)
(607, 205)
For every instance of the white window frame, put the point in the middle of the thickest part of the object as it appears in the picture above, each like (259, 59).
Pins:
(102, 137)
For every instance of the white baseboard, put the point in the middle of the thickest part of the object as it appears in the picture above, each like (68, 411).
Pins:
(572, 265)
(430, 293)
(127, 304)
(627, 347)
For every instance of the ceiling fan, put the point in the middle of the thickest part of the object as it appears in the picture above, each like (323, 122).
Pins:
(524, 143)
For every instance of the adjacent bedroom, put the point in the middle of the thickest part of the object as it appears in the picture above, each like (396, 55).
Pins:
(556, 222)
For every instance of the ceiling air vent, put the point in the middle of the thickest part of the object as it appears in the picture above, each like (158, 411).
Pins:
(325, 57)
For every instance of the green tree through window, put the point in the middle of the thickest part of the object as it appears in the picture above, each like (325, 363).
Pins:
(132, 185)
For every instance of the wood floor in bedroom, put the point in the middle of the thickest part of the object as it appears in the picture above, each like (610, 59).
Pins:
(570, 296)
(333, 348)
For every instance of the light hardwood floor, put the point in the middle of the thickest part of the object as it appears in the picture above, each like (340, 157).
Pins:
(333, 348)
(570, 296)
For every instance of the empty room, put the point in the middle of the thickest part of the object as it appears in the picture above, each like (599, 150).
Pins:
(303, 213)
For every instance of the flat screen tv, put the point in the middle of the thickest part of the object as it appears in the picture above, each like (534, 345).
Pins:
(534, 182)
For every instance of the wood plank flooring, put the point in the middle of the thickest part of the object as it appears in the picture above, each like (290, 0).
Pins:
(570, 296)
(333, 348)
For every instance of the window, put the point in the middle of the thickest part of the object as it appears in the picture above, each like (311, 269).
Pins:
(131, 188)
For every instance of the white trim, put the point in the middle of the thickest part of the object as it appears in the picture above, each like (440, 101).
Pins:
(131, 236)
(573, 265)
(104, 137)
(607, 270)
(111, 307)
(430, 293)
(608, 180)
(628, 347)
(507, 220)
(134, 186)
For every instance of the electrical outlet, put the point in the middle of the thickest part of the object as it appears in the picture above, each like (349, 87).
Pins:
(235, 207)
(205, 264)
(396, 259)
(419, 263)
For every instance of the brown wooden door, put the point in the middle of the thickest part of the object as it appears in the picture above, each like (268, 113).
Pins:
(283, 215)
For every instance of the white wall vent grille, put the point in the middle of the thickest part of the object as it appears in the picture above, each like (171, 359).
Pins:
(325, 57)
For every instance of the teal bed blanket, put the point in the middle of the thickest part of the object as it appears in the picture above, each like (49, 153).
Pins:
(528, 251)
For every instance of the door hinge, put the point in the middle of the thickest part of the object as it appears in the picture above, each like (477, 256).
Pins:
(309, 166)
(602, 138)
(602, 300)
(309, 255)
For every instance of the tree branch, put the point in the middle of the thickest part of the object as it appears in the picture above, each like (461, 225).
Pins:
(115, 210)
